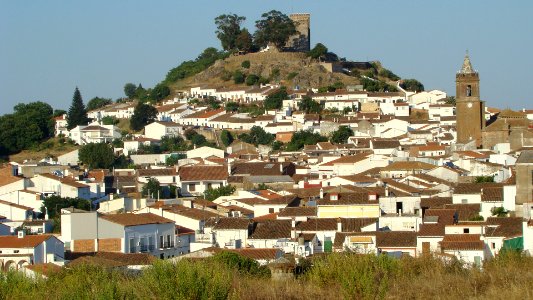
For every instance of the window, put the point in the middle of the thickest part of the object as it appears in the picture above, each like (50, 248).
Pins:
(160, 241)
(192, 187)
(132, 245)
(464, 201)
(15, 251)
(469, 90)
(466, 230)
(493, 245)
(271, 210)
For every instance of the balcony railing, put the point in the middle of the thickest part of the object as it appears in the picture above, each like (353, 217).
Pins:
(142, 249)
(166, 245)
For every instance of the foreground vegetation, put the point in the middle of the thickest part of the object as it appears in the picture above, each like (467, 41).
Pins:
(334, 276)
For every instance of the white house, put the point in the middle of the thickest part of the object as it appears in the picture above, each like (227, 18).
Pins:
(94, 133)
(158, 129)
(22, 250)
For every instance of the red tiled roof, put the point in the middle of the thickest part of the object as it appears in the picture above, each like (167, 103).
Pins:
(136, 219)
(203, 172)
(29, 241)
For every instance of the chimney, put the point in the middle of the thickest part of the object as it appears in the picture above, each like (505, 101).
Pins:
(386, 191)
(333, 196)
(293, 228)
(321, 193)
(339, 225)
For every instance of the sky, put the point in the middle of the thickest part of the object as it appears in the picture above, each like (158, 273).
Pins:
(47, 48)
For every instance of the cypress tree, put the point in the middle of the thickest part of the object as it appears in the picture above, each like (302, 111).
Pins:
(77, 115)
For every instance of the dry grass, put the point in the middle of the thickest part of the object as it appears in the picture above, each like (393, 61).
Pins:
(51, 148)
(337, 276)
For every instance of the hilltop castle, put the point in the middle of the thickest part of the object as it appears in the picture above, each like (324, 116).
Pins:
(301, 41)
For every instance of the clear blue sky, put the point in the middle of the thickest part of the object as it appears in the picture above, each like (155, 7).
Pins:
(47, 48)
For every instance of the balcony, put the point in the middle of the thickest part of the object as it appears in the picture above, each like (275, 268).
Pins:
(166, 245)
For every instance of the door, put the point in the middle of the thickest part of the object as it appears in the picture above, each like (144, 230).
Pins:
(399, 207)
(425, 248)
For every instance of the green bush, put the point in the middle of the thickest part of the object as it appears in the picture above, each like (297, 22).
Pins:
(359, 276)
(245, 64)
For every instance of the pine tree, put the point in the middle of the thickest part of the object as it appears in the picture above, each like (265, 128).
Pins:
(77, 115)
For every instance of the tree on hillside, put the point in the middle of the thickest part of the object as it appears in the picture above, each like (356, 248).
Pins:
(130, 90)
(257, 136)
(319, 51)
(59, 112)
(77, 115)
(275, 100)
(97, 155)
(212, 194)
(252, 79)
(244, 41)
(98, 102)
(226, 137)
(228, 29)
(341, 135)
(152, 188)
(54, 204)
(412, 85)
(309, 105)
(232, 106)
(304, 137)
(143, 115)
(238, 77)
(27, 126)
(159, 92)
(274, 27)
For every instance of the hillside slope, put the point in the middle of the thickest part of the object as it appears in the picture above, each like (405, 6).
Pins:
(290, 69)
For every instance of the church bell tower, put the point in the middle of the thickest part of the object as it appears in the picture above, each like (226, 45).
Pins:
(470, 109)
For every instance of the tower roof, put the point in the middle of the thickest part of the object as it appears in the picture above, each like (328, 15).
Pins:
(467, 65)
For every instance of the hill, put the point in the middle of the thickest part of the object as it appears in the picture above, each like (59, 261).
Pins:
(290, 69)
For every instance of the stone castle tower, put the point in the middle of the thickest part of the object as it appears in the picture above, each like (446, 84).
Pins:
(469, 109)
(301, 41)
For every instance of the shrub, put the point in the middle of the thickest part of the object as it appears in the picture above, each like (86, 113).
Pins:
(245, 64)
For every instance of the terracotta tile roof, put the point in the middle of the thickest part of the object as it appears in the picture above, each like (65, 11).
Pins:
(445, 216)
(505, 227)
(435, 202)
(431, 230)
(203, 172)
(348, 159)
(156, 172)
(385, 143)
(271, 229)
(29, 241)
(136, 219)
(474, 188)
(98, 175)
(6, 177)
(359, 178)
(272, 216)
(94, 128)
(408, 165)
(259, 168)
(431, 179)
(287, 200)
(192, 213)
(314, 225)
(396, 239)
(355, 224)
(258, 253)
(298, 212)
(231, 223)
(346, 199)
(492, 194)
(465, 212)
(462, 242)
